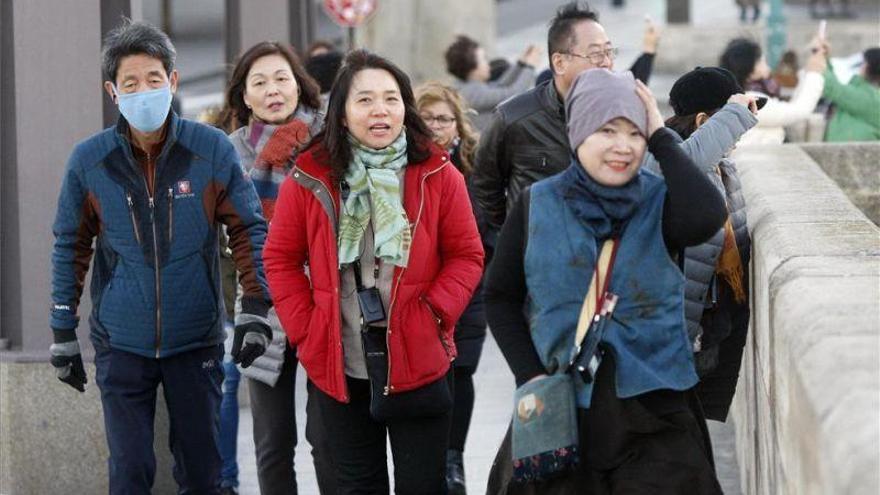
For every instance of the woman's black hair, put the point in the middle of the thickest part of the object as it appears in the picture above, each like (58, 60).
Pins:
(334, 135)
(685, 125)
(740, 57)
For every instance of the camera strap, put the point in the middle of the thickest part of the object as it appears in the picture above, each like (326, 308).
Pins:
(596, 303)
(358, 280)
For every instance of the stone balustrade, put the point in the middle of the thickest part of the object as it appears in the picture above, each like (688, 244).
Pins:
(807, 409)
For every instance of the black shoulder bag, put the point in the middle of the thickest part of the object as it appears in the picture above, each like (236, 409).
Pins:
(433, 399)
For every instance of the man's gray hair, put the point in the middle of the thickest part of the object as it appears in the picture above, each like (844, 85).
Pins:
(132, 38)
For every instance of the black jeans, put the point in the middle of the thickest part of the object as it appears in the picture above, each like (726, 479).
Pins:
(191, 383)
(274, 413)
(418, 446)
(463, 406)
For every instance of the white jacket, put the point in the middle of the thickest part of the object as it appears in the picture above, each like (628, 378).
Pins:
(777, 114)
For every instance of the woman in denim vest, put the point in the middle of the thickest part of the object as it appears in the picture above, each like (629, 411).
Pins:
(640, 428)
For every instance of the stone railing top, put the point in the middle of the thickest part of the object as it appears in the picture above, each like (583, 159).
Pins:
(817, 320)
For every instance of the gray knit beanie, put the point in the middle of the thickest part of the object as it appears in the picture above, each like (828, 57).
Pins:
(598, 96)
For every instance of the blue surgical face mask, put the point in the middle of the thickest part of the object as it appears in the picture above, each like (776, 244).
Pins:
(146, 111)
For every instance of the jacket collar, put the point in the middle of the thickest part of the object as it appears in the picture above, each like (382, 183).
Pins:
(551, 100)
(172, 127)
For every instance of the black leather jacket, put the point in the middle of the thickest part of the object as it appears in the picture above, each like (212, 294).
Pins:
(526, 141)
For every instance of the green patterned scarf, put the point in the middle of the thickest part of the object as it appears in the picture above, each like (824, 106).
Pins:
(375, 188)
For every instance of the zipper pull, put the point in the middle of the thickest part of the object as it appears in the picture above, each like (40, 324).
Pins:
(134, 225)
(170, 214)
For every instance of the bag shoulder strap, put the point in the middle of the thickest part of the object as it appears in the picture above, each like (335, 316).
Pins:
(588, 309)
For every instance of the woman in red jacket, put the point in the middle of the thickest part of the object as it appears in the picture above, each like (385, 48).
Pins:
(377, 212)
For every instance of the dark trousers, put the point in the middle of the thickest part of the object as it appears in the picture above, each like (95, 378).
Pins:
(191, 382)
(274, 413)
(653, 443)
(463, 406)
(418, 447)
(316, 435)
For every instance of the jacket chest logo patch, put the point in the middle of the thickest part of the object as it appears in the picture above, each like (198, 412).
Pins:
(183, 189)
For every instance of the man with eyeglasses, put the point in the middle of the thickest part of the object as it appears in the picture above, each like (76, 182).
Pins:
(527, 140)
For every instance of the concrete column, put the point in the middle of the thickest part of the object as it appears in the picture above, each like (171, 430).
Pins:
(777, 33)
(414, 34)
(678, 11)
(50, 99)
(302, 24)
(7, 137)
(113, 13)
(55, 102)
(247, 24)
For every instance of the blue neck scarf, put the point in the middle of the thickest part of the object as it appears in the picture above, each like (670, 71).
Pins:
(603, 209)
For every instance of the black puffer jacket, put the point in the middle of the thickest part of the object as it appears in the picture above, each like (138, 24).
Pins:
(525, 142)
(701, 289)
(719, 320)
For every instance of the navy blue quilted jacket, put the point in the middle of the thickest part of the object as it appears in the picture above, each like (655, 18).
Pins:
(155, 284)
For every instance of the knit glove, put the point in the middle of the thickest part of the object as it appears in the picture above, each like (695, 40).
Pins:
(67, 359)
(251, 338)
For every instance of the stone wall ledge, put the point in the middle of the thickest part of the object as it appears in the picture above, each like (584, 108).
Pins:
(52, 437)
(809, 394)
(854, 167)
(683, 47)
(24, 356)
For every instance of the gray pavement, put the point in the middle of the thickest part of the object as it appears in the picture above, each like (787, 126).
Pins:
(494, 386)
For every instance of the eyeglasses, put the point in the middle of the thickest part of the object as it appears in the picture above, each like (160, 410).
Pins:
(598, 56)
(441, 120)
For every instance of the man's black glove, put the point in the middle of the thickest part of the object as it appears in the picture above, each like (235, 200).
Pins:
(252, 337)
(67, 360)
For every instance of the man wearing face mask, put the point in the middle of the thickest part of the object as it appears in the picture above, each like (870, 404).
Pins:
(150, 192)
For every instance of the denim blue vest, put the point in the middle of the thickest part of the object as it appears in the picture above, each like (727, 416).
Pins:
(647, 332)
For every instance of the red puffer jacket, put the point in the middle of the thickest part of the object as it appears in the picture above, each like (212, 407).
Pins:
(445, 265)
